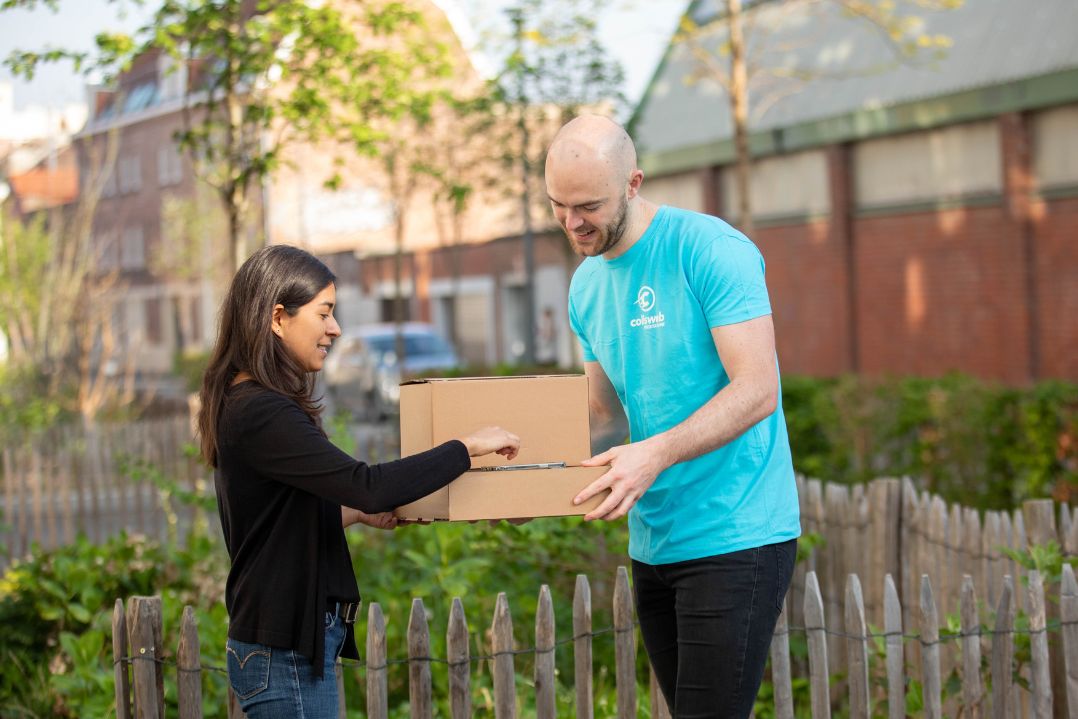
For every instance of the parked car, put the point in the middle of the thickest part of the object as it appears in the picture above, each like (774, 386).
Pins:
(363, 373)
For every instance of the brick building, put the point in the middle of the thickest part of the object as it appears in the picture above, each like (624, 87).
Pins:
(918, 219)
(164, 304)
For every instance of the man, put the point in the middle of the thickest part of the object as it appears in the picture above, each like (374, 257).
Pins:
(673, 317)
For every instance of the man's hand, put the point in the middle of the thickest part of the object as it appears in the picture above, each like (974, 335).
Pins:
(633, 469)
(382, 520)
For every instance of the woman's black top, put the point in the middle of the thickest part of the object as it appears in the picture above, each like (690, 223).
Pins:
(280, 486)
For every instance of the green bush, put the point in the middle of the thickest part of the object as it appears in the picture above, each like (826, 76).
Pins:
(26, 405)
(977, 443)
(477, 561)
(56, 610)
(190, 366)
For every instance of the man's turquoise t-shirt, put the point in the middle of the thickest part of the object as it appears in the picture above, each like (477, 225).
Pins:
(646, 317)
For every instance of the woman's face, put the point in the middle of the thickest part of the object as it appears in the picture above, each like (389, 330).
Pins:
(309, 333)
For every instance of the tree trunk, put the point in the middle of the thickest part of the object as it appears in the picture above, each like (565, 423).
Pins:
(739, 108)
(398, 299)
(235, 243)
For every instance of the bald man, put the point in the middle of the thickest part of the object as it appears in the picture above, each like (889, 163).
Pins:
(672, 313)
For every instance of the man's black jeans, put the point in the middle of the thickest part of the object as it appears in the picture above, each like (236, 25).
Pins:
(707, 626)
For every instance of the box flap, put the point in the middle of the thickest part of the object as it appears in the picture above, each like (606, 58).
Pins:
(416, 429)
(549, 414)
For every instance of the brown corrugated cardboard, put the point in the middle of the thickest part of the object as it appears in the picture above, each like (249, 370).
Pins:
(508, 494)
(548, 413)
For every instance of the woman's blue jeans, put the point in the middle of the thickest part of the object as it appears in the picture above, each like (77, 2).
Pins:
(707, 626)
(273, 683)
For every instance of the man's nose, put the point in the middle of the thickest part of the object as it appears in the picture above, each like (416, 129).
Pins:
(573, 220)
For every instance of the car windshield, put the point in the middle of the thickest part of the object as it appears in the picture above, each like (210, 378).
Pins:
(414, 345)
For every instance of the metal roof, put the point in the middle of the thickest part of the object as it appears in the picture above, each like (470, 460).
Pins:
(852, 67)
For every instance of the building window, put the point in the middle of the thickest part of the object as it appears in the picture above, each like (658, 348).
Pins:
(107, 248)
(783, 186)
(133, 248)
(196, 321)
(387, 309)
(1055, 147)
(152, 310)
(945, 163)
(130, 174)
(169, 165)
(109, 188)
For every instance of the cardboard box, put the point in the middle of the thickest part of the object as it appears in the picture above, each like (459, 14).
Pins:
(548, 413)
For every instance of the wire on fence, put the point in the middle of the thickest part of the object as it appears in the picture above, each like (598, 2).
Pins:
(1050, 626)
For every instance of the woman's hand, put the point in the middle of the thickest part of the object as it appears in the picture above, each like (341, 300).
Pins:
(382, 520)
(492, 439)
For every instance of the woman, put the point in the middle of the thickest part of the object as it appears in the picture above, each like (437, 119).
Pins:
(285, 493)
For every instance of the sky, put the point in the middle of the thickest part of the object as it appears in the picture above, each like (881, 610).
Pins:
(635, 32)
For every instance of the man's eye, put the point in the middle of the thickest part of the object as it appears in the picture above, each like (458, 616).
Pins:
(591, 208)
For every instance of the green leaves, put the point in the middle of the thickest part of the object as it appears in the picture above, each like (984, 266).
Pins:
(975, 442)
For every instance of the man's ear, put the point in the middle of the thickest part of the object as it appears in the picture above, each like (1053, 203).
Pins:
(635, 180)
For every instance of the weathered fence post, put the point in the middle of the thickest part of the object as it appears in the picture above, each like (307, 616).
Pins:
(857, 649)
(930, 652)
(120, 662)
(659, 708)
(892, 629)
(505, 692)
(817, 642)
(377, 695)
(144, 632)
(585, 708)
(1068, 611)
(972, 689)
(1038, 645)
(419, 687)
(545, 706)
(624, 646)
(780, 667)
(885, 500)
(189, 668)
(1040, 519)
(456, 642)
(1003, 652)
(992, 564)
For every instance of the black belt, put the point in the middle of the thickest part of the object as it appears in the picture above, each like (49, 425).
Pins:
(348, 611)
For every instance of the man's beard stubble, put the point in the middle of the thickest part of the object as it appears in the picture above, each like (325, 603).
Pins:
(610, 234)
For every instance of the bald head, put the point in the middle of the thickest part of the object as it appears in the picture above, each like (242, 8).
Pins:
(597, 141)
(592, 181)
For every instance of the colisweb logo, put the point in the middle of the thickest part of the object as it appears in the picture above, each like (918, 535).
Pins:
(645, 300)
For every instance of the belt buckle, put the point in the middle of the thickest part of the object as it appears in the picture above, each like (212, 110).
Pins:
(348, 612)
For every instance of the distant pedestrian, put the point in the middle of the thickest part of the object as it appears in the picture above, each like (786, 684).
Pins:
(546, 340)
(285, 492)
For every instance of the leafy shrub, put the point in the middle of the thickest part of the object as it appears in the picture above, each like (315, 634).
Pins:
(56, 608)
(977, 443)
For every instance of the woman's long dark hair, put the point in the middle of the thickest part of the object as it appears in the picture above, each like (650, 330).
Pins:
(275, 275)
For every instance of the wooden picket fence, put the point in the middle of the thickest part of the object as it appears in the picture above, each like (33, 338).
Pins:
(72, 480)
(888, 527)
(874, 682)
(140, 659)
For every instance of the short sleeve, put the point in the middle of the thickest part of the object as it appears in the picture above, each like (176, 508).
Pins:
(728, 278)
(574, 323)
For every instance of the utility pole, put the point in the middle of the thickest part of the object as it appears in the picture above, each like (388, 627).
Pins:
(516, 15)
